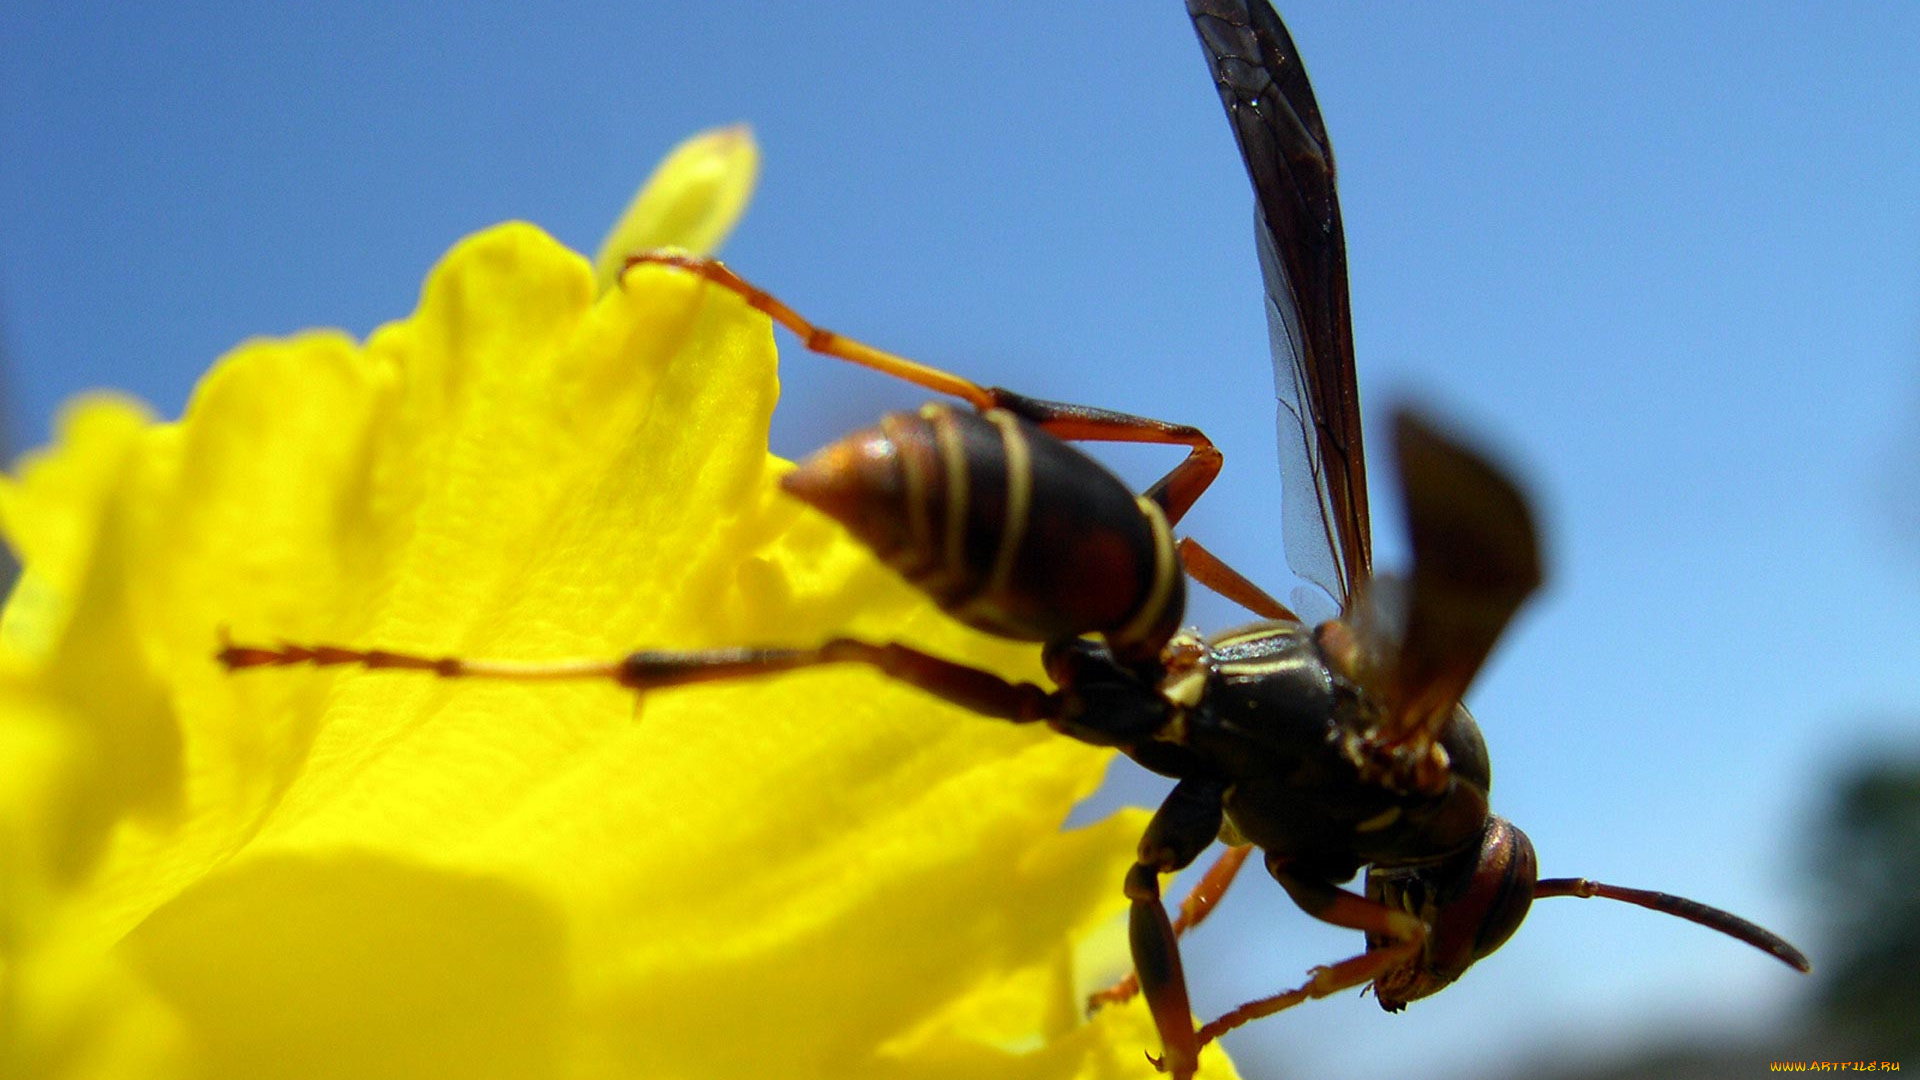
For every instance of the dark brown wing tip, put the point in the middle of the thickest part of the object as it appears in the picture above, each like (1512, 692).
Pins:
(1479, 524)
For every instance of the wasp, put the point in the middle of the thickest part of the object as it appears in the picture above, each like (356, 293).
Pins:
(1329, 747)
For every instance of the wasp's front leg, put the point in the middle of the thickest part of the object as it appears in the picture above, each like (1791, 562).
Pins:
(1400, 938)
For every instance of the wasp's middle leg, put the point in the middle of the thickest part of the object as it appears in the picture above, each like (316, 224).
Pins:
(1181, 829)
(1199, 903)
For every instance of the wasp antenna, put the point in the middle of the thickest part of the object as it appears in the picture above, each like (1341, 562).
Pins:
(1691, 910)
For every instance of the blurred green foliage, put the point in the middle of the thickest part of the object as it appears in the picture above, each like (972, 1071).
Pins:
(1865, 855)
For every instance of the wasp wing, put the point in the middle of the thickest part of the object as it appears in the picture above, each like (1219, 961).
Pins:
(1303, 258)
(1476, 559)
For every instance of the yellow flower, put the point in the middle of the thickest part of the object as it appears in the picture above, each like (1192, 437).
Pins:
(303, 873)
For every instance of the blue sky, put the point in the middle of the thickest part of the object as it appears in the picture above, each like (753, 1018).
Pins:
(1667, 260)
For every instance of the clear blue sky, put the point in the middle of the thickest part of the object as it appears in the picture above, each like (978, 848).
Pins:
(1667, 260)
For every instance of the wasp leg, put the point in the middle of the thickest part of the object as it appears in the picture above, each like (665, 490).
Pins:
(968, 687)
(1404, 933)
(1206, 568)
(978, 691)
(1181, 829)
(1193, 910)
(818, 338)
(1175, 492)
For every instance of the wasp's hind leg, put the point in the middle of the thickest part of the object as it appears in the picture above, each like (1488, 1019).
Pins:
(1206, 568)
(1097, 703)
(1175, 492)
(968, 687)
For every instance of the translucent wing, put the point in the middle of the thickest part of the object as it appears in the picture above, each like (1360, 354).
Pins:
(1303, 258)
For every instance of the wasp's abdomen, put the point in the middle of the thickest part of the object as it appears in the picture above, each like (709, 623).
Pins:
(1008, 528)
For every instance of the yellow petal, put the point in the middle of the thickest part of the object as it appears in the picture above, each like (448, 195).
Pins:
(50, 508)
(691, 201)
(384, 874)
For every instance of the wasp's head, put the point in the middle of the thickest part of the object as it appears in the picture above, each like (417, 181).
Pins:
(1470, 904)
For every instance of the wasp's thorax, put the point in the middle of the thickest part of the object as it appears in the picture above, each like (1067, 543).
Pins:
(1470, 903)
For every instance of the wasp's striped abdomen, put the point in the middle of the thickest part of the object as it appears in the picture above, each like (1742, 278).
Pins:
(1008, 528)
